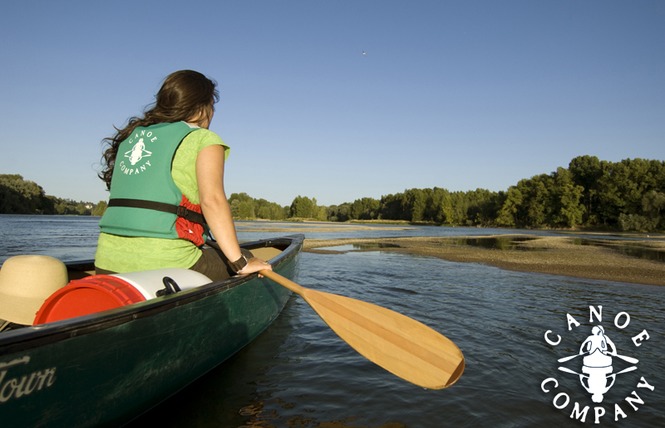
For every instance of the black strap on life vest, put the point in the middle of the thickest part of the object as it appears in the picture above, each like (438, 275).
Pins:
(178, 210)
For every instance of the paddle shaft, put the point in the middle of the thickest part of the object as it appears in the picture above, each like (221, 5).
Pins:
(399, 344)
(284, 282)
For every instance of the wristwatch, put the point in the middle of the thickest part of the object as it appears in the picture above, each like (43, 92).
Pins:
(239, 264)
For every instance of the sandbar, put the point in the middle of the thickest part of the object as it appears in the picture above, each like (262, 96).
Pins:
(555, 255)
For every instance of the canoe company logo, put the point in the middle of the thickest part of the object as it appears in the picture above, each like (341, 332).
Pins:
(137, 154)
(599, 366)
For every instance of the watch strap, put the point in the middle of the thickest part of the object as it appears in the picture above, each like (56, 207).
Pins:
(239, 264)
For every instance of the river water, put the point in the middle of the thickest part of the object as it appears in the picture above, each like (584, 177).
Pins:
(299, 374)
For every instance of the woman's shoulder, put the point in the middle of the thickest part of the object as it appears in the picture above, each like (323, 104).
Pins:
(198, 140)
(203, 133)
(201, 137)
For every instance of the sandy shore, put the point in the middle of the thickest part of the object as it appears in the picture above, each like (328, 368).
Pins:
(551, 255)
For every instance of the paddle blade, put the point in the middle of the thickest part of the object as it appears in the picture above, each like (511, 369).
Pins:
(401, 345)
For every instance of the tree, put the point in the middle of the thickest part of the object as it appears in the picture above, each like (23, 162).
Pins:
(509, 212)
(439, 206)
(99, 208)
(653, 204)
(365, 209)
(414, 204)
(303, 207)
(458, 210)
(538, 196)
(567, 210)
(390, 207)
(586, 172)
(269, 210)
(19, 196)
(339, 213)
(483, 207)
(242, 206)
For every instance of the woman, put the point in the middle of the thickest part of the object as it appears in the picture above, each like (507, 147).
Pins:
(165, 172)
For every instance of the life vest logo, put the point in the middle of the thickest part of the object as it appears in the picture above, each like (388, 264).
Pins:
(138, 153)
(598, 367)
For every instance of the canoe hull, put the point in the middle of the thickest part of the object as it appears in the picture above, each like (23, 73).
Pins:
(103, 371)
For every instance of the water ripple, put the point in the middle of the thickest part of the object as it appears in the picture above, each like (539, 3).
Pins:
(299, 373)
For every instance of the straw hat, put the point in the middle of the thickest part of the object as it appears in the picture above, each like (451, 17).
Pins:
(25, 282)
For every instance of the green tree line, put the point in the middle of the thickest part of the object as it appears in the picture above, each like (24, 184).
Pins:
(19, 196)
(590, 193)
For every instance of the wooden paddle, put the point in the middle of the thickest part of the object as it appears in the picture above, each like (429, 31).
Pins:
(399, 344)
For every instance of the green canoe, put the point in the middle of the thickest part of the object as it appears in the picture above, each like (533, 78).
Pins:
(105, 369)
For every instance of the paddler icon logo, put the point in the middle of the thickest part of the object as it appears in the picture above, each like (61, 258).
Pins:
(597, 352)
(137, 152)
(599, 367)
(138, 155)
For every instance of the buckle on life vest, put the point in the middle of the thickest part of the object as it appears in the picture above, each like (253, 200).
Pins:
(183, 212)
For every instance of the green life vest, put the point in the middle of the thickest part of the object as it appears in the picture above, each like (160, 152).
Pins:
(145, 200)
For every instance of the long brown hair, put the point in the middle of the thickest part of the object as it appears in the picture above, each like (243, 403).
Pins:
(185, 94)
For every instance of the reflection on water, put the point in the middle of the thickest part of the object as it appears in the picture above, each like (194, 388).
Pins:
(632, 249)
(627, 248)
(300, 374)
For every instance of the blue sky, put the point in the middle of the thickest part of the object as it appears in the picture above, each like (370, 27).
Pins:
(453, 94)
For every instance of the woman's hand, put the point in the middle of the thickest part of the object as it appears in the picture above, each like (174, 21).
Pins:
(254, 265)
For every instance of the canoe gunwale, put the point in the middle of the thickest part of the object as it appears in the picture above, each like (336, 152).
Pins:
(29, 337)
